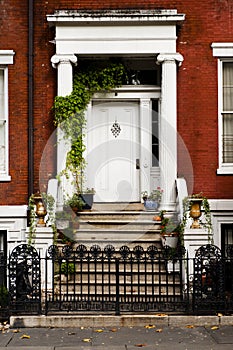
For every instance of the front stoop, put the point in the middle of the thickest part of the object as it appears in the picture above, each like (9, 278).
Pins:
(118, 227)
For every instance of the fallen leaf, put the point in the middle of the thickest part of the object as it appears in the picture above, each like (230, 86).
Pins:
(113, 330)
(71, 333)
(190, 326)
(149, 326)
(16, 331)
(159, 330)
(140, 345)
(99, 330)
(25, 336)
(214, 328)
(86, 340)
(161, 315)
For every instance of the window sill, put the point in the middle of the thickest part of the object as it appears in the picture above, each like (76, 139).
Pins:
(5, 178)
(225, 170)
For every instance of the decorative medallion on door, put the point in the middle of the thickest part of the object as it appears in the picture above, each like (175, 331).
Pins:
(116, 129)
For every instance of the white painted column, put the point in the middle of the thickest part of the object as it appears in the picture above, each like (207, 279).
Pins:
(145, 144)
(168, 128)
(64, 65)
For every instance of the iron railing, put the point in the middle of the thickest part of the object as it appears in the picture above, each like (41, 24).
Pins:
(117, 281)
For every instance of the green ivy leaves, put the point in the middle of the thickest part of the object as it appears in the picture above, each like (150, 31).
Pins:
(69, 111)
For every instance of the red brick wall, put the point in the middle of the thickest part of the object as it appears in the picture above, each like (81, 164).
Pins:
(206, 22)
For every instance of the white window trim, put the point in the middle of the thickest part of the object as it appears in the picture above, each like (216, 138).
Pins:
(224, 52)
(6, 58)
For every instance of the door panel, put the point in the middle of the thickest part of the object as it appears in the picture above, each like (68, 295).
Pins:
(111, 156)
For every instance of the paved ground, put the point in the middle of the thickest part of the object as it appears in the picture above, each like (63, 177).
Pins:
(117, 338)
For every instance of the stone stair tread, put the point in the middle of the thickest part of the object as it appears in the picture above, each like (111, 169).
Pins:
(106, 230)
(118, 212)
(115, 221)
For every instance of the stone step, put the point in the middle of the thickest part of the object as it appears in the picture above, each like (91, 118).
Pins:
(118, 206)
(116, 215)
(117, 238)
(121, 225)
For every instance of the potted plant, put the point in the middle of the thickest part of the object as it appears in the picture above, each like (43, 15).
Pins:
(171, 231)
(196, 206)
(75, 202)
(87, 197)
(152, 200)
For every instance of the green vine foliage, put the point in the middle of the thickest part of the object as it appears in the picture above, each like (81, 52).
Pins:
(69, 111)
(49, 203)
(32, 220)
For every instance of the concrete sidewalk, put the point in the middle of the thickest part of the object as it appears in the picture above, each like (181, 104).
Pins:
(156, 335)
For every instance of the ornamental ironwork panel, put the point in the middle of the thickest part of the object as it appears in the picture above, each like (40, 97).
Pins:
(209, 280)
(114, 279)
(24, 280)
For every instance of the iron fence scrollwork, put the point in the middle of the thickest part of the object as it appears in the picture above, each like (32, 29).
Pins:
(24, 280)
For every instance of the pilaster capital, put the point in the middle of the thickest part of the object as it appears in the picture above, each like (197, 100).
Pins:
(170, 57)
(63, 59)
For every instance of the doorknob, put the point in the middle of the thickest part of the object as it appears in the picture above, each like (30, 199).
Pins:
(137, 163)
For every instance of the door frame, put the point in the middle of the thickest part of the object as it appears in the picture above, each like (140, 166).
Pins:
(142, 94)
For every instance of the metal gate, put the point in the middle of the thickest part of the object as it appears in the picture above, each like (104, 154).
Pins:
(24, 280)
(114, 280)
(213, 280)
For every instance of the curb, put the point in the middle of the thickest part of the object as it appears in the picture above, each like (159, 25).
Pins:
(75, 321)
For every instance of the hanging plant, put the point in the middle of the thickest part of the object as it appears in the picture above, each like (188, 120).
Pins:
(69, 112)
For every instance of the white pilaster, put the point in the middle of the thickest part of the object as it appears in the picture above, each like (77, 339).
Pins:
(145, 139)
(168, 128)
(63, 63)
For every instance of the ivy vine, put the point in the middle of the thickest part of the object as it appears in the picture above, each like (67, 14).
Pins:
(69, 111)
(32, 220)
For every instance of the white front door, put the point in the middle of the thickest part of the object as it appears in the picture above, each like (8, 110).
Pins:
(113, 151)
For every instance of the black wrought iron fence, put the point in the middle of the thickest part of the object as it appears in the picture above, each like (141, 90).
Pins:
(4, 295)
(117, 280)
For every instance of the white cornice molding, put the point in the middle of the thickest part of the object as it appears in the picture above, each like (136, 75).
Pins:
(111, 16)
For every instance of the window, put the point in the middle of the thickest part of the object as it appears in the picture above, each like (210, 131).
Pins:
(224, 52)
(155, 136)
(227, 112)
(226, 238)
(6, 58)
